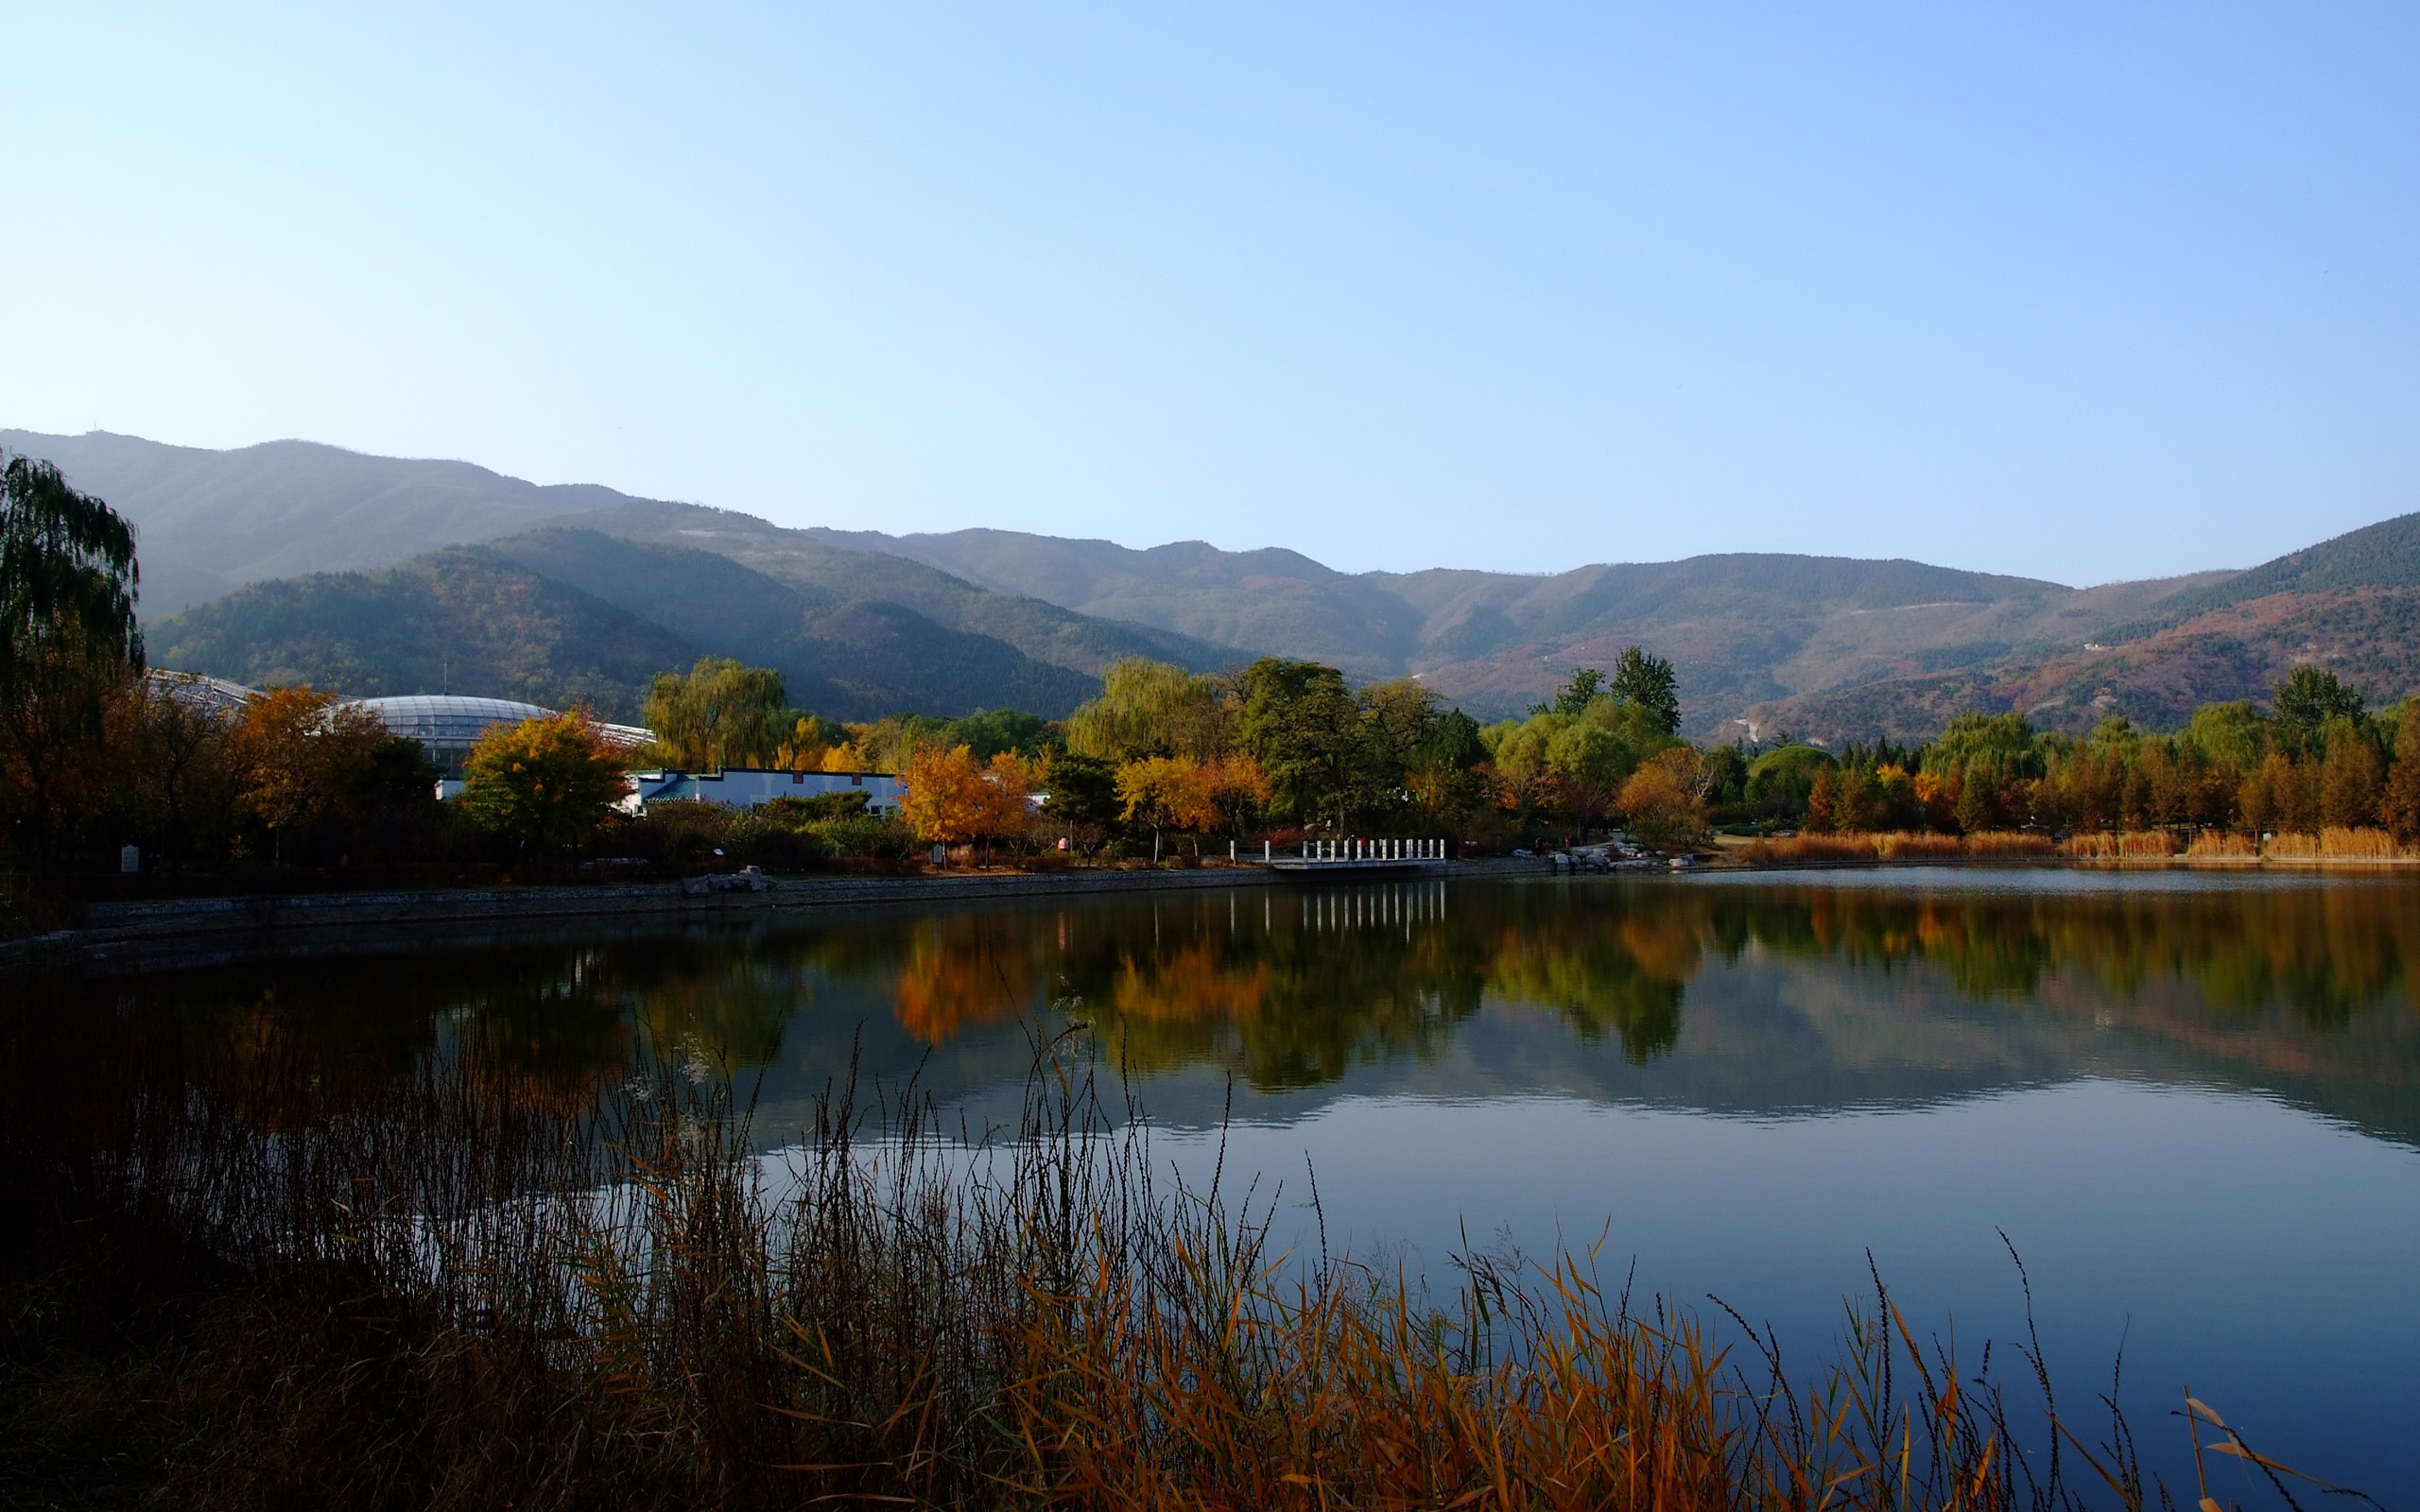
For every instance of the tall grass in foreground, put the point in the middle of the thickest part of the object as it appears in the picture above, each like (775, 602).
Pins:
(252, 1288)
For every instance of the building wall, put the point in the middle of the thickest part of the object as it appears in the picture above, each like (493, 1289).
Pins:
(747, 789)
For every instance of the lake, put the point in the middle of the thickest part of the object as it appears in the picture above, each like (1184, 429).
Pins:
(2189, 1101)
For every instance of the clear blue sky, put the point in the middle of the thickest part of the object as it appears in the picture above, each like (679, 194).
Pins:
(2084, 291)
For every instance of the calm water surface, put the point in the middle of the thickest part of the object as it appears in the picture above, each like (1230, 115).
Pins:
(2191, 1103)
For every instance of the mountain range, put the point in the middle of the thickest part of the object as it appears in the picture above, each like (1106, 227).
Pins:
(296, 562)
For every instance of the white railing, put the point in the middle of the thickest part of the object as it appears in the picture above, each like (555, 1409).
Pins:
(1358, 851)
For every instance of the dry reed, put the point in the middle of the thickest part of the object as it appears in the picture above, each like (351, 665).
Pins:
(1810, 850)
(1902, 846)
(2365, 845)
(1899, 846)
(2133, 845)
(440, 1294)
(2008, 844)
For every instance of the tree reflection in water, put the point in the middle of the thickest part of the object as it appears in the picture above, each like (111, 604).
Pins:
(1292, 990)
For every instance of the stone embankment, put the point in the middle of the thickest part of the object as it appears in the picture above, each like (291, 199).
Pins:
(204, 931)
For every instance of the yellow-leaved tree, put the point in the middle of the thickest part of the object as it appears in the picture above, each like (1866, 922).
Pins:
(1181, 793)
(1166, 792)
(547, 783)
(954, 799)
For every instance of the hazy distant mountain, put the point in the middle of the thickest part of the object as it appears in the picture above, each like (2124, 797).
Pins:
(209, 522)
(1743, 628)
(569, 615)
(811, 559)
(860, 635)
(855, 652)
(1272, 600)
(867, 622)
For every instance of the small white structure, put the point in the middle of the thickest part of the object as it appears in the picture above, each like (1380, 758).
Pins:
(216, 694)
(747, 787)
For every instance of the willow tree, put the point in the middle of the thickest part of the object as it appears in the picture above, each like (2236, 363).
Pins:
(69, 643)
(723, 714)
(1150, 708)
(67, 573)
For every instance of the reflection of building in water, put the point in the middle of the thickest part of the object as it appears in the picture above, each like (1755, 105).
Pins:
(1395, 905)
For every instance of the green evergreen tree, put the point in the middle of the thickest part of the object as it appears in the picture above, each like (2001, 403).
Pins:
(1647, 680)
(2307, 698)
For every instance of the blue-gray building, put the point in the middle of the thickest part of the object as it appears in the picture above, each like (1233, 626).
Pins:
(745, 788)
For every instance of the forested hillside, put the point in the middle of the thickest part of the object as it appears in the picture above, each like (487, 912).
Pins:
(210, 521)
(573, 617)
(464, 618)
(806, 559)
(1272, 599)
(866, 623)
(2386, 554)
(2350, 604)
(1742, 627)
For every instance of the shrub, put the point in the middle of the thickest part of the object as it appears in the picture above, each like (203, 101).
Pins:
(867, 834)
(679, 834)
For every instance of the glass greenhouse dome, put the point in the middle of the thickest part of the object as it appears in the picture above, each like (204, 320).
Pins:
(448, 725)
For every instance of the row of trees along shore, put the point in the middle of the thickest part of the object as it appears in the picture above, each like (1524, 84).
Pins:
(2317, 759)
(1288, 749)
(95, 754)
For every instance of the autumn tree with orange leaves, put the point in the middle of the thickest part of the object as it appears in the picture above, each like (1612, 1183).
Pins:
(296, 752)
(1665, 800)
(954, 799)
